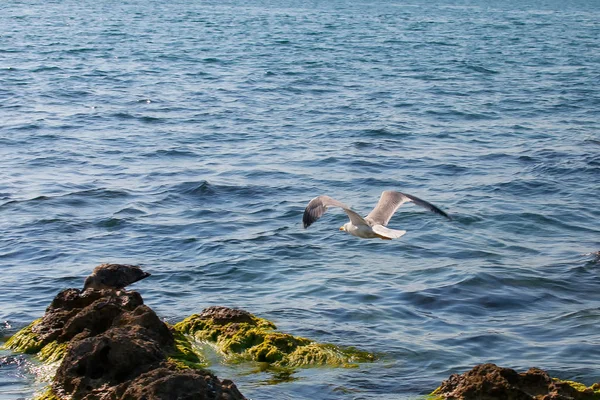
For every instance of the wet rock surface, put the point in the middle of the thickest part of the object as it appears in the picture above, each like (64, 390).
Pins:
(111, 346)
(240, 334)
(490, 382)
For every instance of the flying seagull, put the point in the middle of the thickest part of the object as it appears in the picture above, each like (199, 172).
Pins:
(374, 224)
(114, 276)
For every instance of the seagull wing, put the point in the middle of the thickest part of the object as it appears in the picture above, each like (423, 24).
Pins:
(390, 201)
(317, 207)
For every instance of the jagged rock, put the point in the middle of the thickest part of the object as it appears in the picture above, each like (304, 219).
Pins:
(490, 382)
(108, 359)
(113, 347)
(72, 311)
(161, 383)
(114, 276)
(144, 317)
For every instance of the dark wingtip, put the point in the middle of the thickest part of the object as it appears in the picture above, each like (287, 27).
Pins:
(427, 205)
(306, 219)
(442, 213)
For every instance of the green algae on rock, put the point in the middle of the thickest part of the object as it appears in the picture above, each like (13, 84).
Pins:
(184, 356)
(239, 333)
(28, 342)
(107, 344)
(25, 340)
(488, 382)
(576, 390)
(48, 394)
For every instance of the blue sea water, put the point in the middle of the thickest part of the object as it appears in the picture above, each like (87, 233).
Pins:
(188, 136)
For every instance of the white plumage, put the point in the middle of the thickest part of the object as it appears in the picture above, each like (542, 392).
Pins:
(374, 224)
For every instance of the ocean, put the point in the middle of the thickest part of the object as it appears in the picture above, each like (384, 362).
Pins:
(188, 136)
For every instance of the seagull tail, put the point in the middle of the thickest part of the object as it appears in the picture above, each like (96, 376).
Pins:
(387, 232)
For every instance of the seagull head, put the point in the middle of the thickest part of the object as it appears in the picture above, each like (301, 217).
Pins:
(345, 227)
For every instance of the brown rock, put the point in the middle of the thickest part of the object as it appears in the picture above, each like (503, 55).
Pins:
(65, 305)
(108, 359)
(490, 382)
(73, 312)
(117, 346)
(484, 382)
(225, 315)
(144, 317)
(166, 383)
(114, 276)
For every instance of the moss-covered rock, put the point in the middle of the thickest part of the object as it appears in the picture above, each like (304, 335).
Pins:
(576, 390)
(490, 382)
(27, 341)
(239, 333)
(48, 394)
(99, 342)
(184, 356)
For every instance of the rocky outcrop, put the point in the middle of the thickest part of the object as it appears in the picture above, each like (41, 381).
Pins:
(110, 346)
(162, 383)
(239, 333)
(490, 382)
(113, 347)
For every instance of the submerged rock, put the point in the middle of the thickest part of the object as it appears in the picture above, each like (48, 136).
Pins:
(237, 332)
(490, 382)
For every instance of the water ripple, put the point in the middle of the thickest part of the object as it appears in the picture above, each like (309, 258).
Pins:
(190, 139)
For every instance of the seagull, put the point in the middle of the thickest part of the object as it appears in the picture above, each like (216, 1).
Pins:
(114, 276)
(374, 224)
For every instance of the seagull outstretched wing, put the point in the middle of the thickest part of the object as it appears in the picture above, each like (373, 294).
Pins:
(390, 201)
(317, 207)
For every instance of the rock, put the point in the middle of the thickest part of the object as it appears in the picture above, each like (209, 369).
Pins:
(239, 333)
(72, 311)
(114, 276)
(490, 382)
(162, 383)
(144, 317)
(113, 347)
(225, 315)
(108, 359)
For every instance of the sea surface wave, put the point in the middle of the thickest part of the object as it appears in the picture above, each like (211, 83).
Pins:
(188, 137)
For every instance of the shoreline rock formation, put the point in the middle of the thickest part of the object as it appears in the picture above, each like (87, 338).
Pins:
(110, 346)
(490, 382)
(239, 333)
